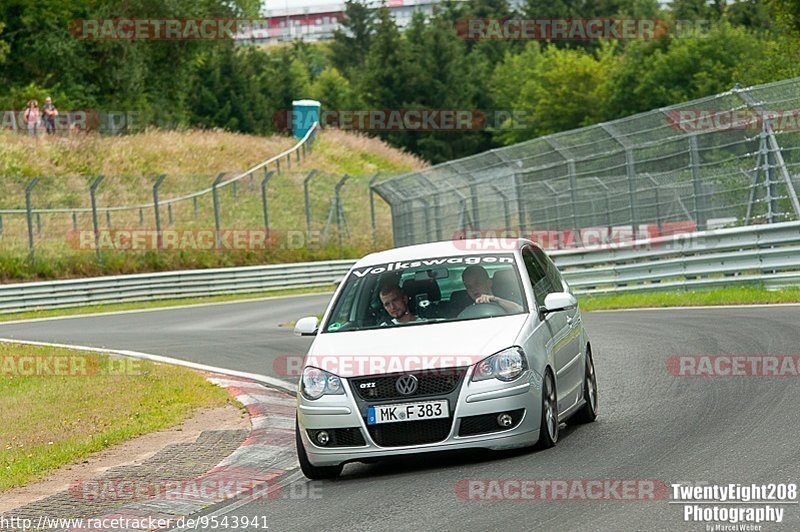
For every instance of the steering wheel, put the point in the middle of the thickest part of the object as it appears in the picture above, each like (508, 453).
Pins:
(482, 310)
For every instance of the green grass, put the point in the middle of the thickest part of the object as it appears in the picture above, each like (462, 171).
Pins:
(144, 305)
(52, 420)
(733, 295)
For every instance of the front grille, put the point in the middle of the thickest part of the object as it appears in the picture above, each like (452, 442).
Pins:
(486, 423)
(410, 432)
(429, 382)
(351, 437)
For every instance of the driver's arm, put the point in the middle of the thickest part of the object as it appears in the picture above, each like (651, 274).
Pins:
(508, 306)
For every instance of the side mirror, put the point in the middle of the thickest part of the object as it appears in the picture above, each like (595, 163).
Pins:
(558, 301)
(306, 326)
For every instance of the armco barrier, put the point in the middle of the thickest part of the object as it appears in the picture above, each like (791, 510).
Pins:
(767, 254)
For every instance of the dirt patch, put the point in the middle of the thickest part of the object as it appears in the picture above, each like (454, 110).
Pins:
(131, 452)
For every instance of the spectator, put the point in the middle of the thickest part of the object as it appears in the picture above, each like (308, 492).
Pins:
(32, 117)
(49, 114)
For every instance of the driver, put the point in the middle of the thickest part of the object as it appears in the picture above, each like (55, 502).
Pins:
(395, 301)
(479, 287)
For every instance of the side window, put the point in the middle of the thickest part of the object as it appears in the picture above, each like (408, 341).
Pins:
(552, 271)
(537, 272)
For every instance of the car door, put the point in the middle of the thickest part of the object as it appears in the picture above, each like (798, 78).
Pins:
(554, 324)
(571, 376)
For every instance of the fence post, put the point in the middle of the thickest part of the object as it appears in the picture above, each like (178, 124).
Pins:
(95, 224)
(278, 165)
(265, 210)
(159, 180)
(215, 194)
(699, 200)
(141, 217)
(38, 224)
(506, 210)
(520, 203)
(194, 204)
(28, 190)
(289, 161)
(108, 219)
(339, 211)
(306, 181)
(372, 207)
(74, 221)
(169, 213)
(234, 191)
(1, 224)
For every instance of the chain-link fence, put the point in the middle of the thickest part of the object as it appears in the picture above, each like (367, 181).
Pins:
(275, 211)
(726, 160)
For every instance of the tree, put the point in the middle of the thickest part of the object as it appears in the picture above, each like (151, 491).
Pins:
(351, 43)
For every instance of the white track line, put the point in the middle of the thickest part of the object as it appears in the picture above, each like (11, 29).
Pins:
(270, 381)
(696, 307)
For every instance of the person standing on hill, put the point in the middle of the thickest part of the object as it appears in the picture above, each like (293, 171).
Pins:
(49, 114)
(32, 117)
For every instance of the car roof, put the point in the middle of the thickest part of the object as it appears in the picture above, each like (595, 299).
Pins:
(447, 248)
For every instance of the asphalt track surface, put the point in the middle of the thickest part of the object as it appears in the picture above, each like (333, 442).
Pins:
(652, 425)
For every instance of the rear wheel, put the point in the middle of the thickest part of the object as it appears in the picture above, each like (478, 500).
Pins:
(548, 428)
(309, 470)
(588, 411)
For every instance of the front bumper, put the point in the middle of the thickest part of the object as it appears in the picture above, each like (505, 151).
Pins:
(470, 399)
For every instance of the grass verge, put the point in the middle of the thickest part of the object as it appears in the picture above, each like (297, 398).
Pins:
(58, 406)
(144, 305)
(732, 295)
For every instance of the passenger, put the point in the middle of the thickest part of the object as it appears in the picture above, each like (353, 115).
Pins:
(395, 301)
(479, 287)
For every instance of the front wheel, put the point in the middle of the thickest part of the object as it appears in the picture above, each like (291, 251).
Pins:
(309, 470)
(588, 411)
(548, 428)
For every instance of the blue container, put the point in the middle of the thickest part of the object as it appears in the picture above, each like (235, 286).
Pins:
(304, 114)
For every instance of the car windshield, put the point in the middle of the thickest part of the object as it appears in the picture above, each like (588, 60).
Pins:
(425, 291)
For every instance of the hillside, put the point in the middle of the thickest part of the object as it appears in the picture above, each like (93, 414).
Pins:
(190, 160)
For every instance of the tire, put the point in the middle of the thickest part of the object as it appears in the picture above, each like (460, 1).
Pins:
(588, 412)
(311, 471)
(548, 427)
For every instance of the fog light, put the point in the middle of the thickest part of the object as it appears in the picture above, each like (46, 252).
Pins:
(323, 438)
(505, 420)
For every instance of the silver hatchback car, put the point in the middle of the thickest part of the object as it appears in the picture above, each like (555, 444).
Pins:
(444, 346)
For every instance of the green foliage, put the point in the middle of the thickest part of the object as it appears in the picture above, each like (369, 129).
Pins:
(370, 64)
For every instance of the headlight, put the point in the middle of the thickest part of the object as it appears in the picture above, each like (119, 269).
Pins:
(317, 382)
(506, 365)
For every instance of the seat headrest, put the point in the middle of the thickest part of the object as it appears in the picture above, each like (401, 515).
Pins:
(505, 285)
(412, 287)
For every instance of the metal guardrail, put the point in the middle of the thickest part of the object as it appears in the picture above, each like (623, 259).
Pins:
(168, 285)
(767, 254)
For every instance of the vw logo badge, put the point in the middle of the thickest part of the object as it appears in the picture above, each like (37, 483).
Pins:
(406, 385)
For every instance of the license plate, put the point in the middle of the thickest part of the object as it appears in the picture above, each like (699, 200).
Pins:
(407, 412)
